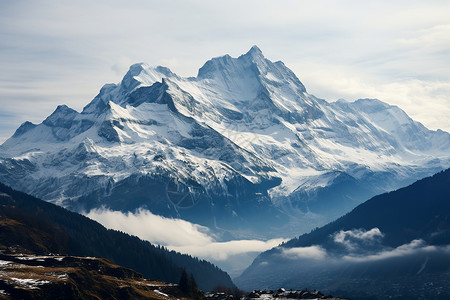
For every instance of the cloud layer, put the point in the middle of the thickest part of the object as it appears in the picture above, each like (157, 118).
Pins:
(414, 247)
(224, 250)
(358, 238)
(361, 246)
(185, 237)
(153, 228)
(312, 252)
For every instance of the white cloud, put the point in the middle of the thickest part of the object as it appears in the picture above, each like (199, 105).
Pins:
(366, 246)
(223, 250)
(153, 228)
(182, 236)
(434, 37)
(344, 237)
(359, 234)
(312, 252)
(425, 100)
(358, 238)
(315, 256)
(414, 247)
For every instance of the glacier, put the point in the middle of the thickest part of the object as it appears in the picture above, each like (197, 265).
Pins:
(241, 148)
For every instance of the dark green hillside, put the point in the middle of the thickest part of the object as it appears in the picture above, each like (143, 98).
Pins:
(394, 246)
(418, 211)
(32, 225)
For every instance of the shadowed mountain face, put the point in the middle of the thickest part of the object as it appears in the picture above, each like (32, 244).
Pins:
(240, 143)
(392, 246)
(30, 225)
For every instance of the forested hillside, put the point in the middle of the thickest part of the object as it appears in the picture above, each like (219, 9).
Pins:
(35, 226)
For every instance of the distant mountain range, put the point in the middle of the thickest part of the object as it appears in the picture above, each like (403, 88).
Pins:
(32, 226)
(241, 147)
(394, 246)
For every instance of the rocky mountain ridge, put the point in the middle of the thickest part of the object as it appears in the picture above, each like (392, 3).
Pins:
(240, 143)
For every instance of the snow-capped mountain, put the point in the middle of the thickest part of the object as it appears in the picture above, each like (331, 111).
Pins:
(240, 145)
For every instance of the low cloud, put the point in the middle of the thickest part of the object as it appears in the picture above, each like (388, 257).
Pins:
(312, 252)
(153, 228)
(358, 238)
(414, 247)
(366, 246)
(223, 250)
(361, 246)
(178, 235)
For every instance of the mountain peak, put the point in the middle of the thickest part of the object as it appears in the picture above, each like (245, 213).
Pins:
(255, 51)
(142, 73)
(253, 57)
(244, 124)
(26, 126)
(61, 117)
(136, 68)
(129, 81)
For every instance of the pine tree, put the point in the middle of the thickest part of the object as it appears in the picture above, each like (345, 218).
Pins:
(194, 292)
(183, 284)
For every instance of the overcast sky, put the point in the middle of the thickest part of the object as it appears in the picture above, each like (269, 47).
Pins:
(61, 52)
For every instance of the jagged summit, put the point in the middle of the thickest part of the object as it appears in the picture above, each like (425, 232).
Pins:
(237, 83)
(251, 64)
(143, 74)
(240, 142)
(245, 63)
(24, 127)
(255, 55)
(255, 52)
(61, 117)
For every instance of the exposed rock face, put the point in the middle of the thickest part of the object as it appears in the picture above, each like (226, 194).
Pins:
(240, 143)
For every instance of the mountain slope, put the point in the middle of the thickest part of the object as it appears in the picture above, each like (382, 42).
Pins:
(33, 225)
(396, 243)
(240, 143)
(69, 277)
